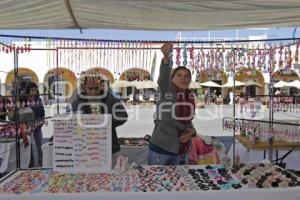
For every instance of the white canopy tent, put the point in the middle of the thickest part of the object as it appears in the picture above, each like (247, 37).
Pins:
(146, 84)
(252, 83)
(295, 83)
(121, 83)
(230, 84)
(148, 14)
(281, 84)
(210, 84)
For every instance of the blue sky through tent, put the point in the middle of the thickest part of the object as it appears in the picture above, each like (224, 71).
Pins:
(157, 35)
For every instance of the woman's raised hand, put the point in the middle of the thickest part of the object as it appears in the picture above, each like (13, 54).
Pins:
(166, 50)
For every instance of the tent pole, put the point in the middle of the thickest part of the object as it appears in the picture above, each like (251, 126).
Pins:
(16, 99)
(56, 88)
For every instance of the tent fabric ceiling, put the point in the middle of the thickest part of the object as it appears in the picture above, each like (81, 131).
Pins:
(149, 14)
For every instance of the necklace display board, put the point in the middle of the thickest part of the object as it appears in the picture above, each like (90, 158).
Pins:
(82, 143)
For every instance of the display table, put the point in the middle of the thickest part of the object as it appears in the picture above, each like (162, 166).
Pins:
(279, 145)
(150, 182)
(8, 155)
(250, 152)
(266, 194)
(137, 154)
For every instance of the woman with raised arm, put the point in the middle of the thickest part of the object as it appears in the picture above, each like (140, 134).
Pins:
(175, 110)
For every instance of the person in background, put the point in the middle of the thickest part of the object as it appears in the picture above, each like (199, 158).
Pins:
(35, 103)
(242, 102)
(3, 109)
(175, 110)
(95, 92)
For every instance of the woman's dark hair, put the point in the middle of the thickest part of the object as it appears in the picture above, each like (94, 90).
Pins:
(30, 86)
(181, 68)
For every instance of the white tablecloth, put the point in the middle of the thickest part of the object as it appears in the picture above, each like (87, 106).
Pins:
(137, 154)
(255, 156)
(244, 194)
(8, 156)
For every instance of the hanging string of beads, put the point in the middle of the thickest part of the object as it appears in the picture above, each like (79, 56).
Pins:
(184, 55)
(178, 56)
(191, 55)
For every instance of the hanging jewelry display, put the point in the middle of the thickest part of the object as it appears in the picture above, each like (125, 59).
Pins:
(197, 62)
(202, 59)
(116, 60)
(144, 56)
(132, 54)
(178, 57)
(87, 56)
(207, 56)
(100, 54)
(129, 56)
(55, 44)
(112, 58)
(84, 55)
(192, 61)
(90, 52)
(221, 58)
(130, 63)
(280, 64)
(122, 53)
(216, 56)
(97, 53)
(252, 61)
(258, 58)
(249, 53)
(184, 54)
(123, 58)
(109, 66)
(70, 53)
(263, 59)
(137, 55)
(244, 56)
(74, 55)
(212, 59)
(289, 57)
(150, 59)
(64, 53)
(48, 46)
(78, 67)
(142, 59)
(285, 58)
(105, 53)
(60, 52)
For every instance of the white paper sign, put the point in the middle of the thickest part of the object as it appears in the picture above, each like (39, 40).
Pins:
(82, 143)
